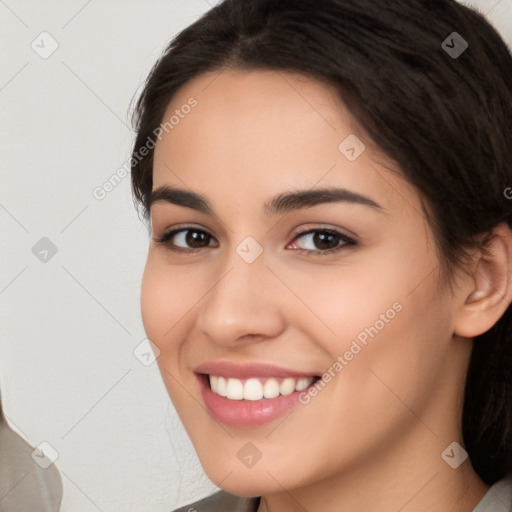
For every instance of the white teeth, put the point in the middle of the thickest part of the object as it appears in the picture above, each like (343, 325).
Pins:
(254, 389)
(287, 387)
(222, 386)
(235, 389)
(302, 383)
(271, 388)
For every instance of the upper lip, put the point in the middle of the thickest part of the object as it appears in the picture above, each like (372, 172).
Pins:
(247, 370)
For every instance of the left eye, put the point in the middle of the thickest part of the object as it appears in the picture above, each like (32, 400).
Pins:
(322, 241)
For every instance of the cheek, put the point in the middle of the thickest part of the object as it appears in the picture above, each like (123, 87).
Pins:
(387, 311)
(162, 303)
(167, 295)
(154, 303)
(336, 303)
(402, 342)
(167, 298)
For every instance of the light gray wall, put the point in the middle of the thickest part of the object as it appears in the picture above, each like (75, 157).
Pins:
(70, 324)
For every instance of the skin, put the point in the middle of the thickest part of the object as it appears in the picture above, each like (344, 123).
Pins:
(372, 438)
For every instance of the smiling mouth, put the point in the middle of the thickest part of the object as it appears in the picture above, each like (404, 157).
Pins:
(257, 388)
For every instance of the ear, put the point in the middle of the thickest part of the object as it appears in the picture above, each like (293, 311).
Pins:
(486, 291)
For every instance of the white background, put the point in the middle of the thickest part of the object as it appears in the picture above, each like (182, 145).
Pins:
(69, 326)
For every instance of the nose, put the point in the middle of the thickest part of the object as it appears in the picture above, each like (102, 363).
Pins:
(243, 304)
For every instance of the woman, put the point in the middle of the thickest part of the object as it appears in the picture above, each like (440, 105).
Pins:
(329, 274)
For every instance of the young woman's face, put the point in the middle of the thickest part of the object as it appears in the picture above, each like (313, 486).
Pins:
(303, 257)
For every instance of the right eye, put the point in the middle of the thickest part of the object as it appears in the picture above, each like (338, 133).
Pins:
(186, 240)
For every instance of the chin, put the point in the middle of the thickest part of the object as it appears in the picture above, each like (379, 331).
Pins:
(262, 479)
(248, 486)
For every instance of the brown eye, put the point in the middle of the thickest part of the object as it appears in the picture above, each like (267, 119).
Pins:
(197, 239)
(187, 239)
(321, 241)
(325, 240)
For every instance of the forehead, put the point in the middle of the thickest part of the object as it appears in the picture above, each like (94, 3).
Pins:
(266, 131)
(243, 91)
(243, 112)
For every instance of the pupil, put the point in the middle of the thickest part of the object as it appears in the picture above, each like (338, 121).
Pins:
(325, 240)
(197, 239)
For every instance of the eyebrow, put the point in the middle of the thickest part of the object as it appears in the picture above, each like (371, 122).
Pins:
(282, 203)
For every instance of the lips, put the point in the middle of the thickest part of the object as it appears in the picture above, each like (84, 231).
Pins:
(250, 394)
(238, 371)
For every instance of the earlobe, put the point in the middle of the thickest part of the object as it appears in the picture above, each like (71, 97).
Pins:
(490, 285)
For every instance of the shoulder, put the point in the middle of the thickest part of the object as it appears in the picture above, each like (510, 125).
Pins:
(498, 497)
(222, 502)
(41, 488)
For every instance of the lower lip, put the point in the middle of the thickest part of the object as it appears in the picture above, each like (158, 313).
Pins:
(246, 413)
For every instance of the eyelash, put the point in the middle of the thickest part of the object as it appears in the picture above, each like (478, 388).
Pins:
(344, 241)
